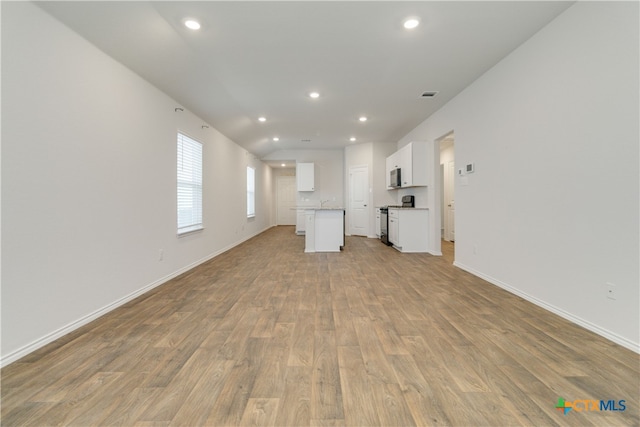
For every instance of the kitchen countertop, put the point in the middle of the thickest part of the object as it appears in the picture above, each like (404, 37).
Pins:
(326, 208)
(412, 209)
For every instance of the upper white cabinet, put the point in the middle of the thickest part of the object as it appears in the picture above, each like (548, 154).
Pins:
(305, 176)
(412, 161)
(393, 162)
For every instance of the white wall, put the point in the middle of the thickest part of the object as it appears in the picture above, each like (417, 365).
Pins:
(551, 212)
(89, 183)
(329, 173)
(283, 172)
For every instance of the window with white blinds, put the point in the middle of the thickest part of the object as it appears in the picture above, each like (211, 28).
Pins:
(189, 184)
(251, 192)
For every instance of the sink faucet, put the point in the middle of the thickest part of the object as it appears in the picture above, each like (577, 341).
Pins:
(322, 202)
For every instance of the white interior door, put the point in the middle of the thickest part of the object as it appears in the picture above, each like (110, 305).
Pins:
(449, 205)
(359, 212)
(286, 197)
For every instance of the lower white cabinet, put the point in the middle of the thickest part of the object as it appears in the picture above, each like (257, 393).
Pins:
(378, 231)
(408, 229)
(310, 233)
(300, 221)
(393, 229)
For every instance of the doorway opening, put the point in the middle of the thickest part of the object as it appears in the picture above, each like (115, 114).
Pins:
(447, 191)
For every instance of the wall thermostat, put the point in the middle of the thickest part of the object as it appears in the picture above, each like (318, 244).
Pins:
(469, 168)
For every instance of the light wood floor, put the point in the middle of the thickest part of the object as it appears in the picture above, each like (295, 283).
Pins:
(267, 335)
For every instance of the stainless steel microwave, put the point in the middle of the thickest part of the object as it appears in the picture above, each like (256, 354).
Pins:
(395, 178)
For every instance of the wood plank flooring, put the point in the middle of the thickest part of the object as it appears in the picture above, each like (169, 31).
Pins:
(266, 335)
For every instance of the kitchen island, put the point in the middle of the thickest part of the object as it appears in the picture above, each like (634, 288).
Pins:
(324, 229)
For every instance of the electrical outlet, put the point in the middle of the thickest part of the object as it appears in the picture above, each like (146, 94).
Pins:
(160, 255)
(611, 291)
(475, 249)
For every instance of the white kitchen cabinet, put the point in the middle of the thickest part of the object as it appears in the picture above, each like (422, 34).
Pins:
(406, 165)
(412, 161)
(305, 176)
(393, 162)
(394, 226)
(310, 234)
(300, 221)
(408, 229)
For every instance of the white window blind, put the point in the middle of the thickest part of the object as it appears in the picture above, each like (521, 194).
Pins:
(189, 184)
(251, 192)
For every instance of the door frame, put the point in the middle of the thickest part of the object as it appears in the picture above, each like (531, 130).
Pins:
(439, 199)
(449, 202)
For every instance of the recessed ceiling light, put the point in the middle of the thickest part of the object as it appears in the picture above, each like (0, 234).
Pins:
(363, 119)
(352, 139)
(411, 23)
(192, 25)
(262, 119)
(283, 165)
(275, 138)
(314, 95)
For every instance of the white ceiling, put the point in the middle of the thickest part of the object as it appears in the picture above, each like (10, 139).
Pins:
(253, 59)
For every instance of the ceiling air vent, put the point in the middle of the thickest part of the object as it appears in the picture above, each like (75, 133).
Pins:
(428, 94)
(305, 140)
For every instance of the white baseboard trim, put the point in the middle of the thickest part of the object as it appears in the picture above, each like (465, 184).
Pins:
(41, 342)
(633, 346)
